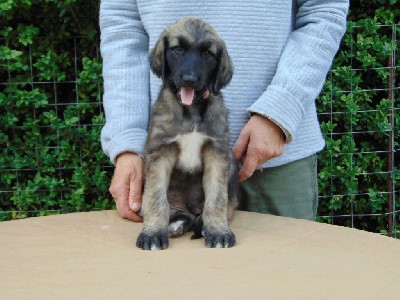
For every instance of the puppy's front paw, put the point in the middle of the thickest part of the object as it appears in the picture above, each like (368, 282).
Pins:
(149, 240)
(225, 239)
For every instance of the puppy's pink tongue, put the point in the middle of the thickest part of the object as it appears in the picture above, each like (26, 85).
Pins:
(187, 95)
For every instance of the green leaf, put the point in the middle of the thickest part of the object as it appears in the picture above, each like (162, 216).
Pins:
(26, 34)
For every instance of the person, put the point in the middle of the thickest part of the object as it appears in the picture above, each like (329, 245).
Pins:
(281, 52)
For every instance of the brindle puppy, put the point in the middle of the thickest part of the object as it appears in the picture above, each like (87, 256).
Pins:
(190, 174)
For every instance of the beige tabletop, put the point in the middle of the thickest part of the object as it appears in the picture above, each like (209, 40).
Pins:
(93, 256)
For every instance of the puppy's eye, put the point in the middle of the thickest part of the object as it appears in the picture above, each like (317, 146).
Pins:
(178, 49)
(207, 53)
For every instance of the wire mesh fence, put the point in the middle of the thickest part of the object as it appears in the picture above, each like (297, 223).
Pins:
(51, 160)
(54, 126)
(363, 113)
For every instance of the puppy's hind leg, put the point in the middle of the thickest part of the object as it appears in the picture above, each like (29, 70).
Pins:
(198, 228)
(154, 235)
(180, 223)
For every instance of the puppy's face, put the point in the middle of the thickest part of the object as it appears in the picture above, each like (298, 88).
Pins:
(191, 59)
(190, 66)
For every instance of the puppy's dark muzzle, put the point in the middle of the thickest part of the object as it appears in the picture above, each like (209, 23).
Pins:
(190, 80)
(191, 72)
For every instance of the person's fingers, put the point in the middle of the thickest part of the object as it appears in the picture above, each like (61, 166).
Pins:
(125, 212)
(135, 192)
(240, 147)
(250, 164)
(119, 192)
(119, 189)
(259, 141)
(126, 186)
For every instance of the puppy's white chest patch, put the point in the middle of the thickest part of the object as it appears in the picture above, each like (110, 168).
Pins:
(190, 147)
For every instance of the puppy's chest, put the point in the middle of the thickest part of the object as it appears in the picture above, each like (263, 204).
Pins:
(190, 145)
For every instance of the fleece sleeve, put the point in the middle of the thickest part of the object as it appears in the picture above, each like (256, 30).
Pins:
(305, 61)
(124, 48)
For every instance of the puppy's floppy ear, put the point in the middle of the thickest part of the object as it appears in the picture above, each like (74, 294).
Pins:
(224, 71)
(158, 62)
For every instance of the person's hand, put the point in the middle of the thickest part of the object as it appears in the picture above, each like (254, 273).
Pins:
(260, 140)
(127, 185)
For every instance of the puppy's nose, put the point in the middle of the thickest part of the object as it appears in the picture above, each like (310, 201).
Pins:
(189, 79)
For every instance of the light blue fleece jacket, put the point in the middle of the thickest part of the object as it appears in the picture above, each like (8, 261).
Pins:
(281, 51)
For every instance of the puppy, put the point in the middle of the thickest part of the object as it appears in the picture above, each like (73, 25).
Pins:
(190, 173)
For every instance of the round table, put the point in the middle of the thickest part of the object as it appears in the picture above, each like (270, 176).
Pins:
(93, 256)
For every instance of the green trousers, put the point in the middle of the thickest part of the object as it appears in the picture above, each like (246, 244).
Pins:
(290, 190)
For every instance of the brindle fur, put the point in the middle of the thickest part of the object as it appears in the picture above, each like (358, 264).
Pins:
(198, 197)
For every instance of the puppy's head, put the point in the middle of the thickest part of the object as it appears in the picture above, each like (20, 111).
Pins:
(191, 59)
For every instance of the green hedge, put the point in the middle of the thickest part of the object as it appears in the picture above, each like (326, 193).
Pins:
(50, 99)
(356, 168)
(50, 94)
